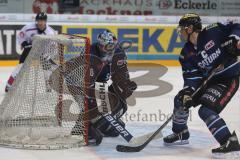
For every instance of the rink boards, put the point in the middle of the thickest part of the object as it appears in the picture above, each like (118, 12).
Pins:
(151, 43)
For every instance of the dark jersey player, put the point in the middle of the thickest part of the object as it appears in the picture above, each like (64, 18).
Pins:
(108, 62)
(201, 53)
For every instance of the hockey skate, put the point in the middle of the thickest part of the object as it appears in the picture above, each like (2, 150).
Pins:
(94, 135)
(177, 138)
(231, 149)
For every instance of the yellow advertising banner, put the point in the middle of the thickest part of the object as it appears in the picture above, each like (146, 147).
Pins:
(148, 42)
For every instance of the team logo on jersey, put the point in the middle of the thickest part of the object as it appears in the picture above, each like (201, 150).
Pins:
(209, 45)
(208, 59)
(21, 34)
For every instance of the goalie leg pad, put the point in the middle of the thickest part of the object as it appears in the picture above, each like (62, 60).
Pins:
(108, 130)
(117, 107)
(117, 112)
(95, 137)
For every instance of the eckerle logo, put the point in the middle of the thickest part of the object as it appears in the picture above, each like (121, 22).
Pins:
(189, 4)
(164, 4)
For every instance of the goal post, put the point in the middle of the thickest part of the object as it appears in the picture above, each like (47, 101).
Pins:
(40, 111)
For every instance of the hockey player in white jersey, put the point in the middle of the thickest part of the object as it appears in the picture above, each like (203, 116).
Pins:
(25, 38)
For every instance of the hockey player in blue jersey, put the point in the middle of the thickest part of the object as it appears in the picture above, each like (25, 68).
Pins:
(108, 60)
(201, 53)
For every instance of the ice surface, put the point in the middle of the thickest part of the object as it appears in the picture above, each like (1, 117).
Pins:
(147, 115)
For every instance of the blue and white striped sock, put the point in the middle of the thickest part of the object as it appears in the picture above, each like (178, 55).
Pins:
(215, 124)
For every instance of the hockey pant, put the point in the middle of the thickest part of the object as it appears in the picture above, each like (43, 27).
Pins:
(213, 99)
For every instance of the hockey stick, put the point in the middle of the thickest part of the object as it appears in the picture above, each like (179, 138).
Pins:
(122, 148)
(140, 139)
(126, 134)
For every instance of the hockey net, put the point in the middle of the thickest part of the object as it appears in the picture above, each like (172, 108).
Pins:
(40, 110)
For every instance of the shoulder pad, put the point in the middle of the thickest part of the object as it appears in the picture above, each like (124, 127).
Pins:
(214, 25)
(119, 50)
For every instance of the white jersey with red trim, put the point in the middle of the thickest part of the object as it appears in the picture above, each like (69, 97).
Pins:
(28, 32)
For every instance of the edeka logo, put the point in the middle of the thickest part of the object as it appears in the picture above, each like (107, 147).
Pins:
(190, 4)
(145, 39)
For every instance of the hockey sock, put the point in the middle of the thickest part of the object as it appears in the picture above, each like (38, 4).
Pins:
(180, 117)
(215, 124)
(13, 77)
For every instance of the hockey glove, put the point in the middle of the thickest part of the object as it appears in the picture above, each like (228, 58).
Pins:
(232, 45)
(185, 97)
(26, 45)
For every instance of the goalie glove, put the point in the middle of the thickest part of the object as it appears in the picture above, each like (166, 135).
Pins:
(232, 45)
(125, 88)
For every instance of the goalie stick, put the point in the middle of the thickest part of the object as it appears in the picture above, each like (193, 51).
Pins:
(123, 148)
(125, 133)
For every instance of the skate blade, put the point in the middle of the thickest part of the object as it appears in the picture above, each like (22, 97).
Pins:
(182, 142)
(231, 155)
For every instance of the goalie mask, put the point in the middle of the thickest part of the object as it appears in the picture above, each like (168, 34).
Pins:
(41, 20)
(106, 43)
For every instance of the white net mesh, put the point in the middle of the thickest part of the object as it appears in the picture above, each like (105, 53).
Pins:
(40, 110)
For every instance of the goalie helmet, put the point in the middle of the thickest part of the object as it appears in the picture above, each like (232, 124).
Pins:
(106, 42)
(191, 19)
